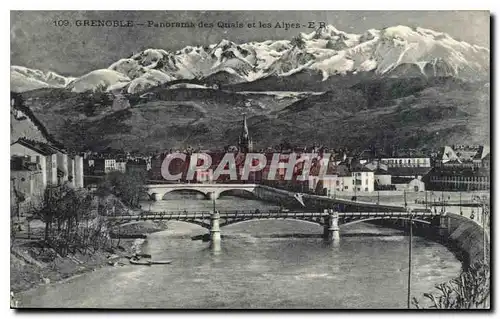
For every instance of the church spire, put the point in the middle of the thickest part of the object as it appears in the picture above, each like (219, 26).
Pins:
(245, 142)
(244, 133)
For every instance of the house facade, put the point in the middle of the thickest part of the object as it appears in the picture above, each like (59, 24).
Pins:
(36, 165)
(406, 161)
(353, 182)
(41, 154)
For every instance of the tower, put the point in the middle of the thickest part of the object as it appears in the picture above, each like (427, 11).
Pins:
(245, 143)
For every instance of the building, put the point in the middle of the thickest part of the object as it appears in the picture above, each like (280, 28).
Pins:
(139, 165)
(459, 179)
(471, 157)
(413, 185)
(245, 144)
(109, 165)
(407, 161)
(40, 153)
(364, 180)
(482, 157)
(156, 164)
(447, 154)
(56, 164)
(78, 178)
(204, 176)
(121, 165)
(26, 181)
(359, 180)
(383, 180)
(102, 164)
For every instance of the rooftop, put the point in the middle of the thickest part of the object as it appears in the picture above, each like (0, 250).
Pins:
(408, 171)
(39, 147)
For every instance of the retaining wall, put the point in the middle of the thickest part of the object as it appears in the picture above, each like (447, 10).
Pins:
(466, 235)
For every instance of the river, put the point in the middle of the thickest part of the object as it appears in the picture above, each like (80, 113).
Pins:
(255, 270)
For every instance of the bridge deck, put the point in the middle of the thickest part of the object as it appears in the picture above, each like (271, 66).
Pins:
(266, 215)
(283, 192)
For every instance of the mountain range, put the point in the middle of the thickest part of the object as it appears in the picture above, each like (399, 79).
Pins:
(412, 87)
(324, 53)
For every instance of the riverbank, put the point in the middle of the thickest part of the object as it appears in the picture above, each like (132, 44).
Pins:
(32, 263)
(468, 237)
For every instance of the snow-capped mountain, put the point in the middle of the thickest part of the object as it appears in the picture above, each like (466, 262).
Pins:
(25, 79)
(393, 51)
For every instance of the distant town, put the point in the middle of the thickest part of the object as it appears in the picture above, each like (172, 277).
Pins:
(36, 165)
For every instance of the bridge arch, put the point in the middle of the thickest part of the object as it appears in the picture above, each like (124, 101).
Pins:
(385, 218)
(240, 221)
(199, 222)
(250, 193)
(178, 190)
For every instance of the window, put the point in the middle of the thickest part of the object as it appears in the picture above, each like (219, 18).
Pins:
(366, 189)
(366, 181)
(346, 187)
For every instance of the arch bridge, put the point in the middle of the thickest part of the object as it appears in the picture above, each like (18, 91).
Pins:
(210, 191)
(330, 219)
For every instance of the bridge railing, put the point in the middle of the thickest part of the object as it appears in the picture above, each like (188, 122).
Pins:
(269, 214)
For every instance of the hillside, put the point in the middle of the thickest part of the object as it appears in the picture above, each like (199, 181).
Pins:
(412, 112)
(162, 118)
(408, 114)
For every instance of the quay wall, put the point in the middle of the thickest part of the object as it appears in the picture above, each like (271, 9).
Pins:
(466, 236)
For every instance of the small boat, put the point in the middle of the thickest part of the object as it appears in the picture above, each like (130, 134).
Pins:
(160, 262)
(134, 261)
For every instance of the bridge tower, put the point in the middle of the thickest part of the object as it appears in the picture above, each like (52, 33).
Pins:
(215, 238)
(331, 231)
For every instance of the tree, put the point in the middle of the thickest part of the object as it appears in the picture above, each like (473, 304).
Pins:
(471, 290)
(63, 209)
(127, 186)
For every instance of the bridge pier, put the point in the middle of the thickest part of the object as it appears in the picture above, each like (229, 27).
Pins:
(156, 197)
(331, 231)
(215, 238)
(211, 196)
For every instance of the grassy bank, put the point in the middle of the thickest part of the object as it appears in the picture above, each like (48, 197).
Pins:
(34, 263)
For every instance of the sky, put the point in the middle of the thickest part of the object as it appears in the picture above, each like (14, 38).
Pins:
(36, 42)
